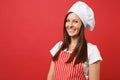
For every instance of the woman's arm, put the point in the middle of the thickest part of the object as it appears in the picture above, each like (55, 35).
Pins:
(94, 71)
(51, 71)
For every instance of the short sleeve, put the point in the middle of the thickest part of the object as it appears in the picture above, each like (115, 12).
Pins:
(55, 48)
(93, 54)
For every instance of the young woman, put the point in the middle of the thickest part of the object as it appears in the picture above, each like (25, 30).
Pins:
(74, 58)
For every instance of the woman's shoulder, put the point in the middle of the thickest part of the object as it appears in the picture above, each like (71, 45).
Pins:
(56, 47)
(91, 47)
(89, 44)
(59, 43)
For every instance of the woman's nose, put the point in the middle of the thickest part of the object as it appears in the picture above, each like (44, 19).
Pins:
(70, 24)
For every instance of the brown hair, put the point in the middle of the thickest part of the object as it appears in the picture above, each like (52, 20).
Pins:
(80, 50)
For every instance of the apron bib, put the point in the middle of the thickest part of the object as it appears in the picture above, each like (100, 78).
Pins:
(67, 71)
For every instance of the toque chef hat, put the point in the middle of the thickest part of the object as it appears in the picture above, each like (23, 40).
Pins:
(85, 13)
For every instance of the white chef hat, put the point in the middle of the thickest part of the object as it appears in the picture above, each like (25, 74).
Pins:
(85, 13)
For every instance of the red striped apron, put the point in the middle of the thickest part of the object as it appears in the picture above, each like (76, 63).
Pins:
(65, 71)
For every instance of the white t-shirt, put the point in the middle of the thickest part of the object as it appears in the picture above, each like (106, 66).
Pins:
(93, 55)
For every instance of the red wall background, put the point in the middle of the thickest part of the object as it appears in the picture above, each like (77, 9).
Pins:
(30, 28)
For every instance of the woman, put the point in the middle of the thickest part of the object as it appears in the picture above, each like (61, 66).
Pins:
(74, 58)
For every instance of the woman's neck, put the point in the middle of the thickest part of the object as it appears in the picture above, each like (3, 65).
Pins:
(72, 44)
(74, 41)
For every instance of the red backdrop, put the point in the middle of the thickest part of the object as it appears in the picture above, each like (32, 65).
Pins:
(30, 28)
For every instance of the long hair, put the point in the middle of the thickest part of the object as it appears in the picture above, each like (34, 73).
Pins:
(80, 50)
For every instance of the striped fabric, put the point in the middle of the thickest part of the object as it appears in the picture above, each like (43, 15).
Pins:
(65, 71)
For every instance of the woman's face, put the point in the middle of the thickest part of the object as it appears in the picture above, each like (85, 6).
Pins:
(73, 25)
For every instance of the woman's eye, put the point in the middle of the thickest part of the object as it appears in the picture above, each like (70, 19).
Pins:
(67, 20)
(76, 21)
